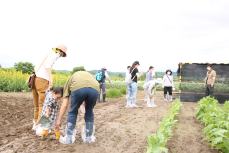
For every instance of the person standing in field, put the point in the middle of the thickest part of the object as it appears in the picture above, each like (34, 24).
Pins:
(149, 77)
(126, 81)
(101, 77)
(44, 81)
(80, 87)
(168, 85)
(210, 80)
(132, 84)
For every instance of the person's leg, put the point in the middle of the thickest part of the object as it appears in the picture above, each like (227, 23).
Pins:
(148, 92)
(35, 104)
(207, 92)
(135, 90)
(100, 92)
(41, 86)
(211, 90)
(77, 98)
(165, 93)
(127, 94)
(152, 94)
(90, 102)
(104, 91)
(145, 92)
(170, 90)
(129, 100)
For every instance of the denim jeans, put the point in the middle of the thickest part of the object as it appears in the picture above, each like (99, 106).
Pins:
(89, 96)
(132, 92)
(102, 87)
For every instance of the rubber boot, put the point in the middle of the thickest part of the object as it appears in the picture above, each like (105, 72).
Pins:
(99, 98)
(152, 103)
(134, 103)
(148, 102)
(165, 98)
(104, 97)
(128, 103)
(70, 133)
(89, 132)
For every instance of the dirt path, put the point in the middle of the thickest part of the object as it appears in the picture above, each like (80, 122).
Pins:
(118, 129)
(188, 136)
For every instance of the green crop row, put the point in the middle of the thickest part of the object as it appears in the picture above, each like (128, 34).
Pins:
(200, 87)
(216, 121)
(157, 142)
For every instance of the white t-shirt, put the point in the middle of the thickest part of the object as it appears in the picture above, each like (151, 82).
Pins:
(42, 71)
(168, 81)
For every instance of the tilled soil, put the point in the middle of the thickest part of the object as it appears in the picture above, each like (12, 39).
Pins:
(117, 129)
(188, 135)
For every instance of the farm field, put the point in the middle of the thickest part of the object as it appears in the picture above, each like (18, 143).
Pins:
(118, 129)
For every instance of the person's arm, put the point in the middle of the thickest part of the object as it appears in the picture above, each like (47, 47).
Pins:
(172, 83)
(50, 61)
(107, 77)
(47, 112)
(205, 79)
(64, 105)
(63, 109)
(163, 81)
(213, 79)
(138, 73)
(153, 74)
(51, 78)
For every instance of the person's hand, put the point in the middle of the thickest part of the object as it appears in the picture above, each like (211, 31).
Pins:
(47, 115)
(212, 85)
(57, 125)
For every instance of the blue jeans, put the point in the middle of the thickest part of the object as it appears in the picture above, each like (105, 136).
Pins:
(132, 92)
(102, 88)
(89, 96)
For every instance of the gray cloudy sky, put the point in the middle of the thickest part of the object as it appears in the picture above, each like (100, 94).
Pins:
(115, 33)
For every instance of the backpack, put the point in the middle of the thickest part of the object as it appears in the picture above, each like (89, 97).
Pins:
(99, 76)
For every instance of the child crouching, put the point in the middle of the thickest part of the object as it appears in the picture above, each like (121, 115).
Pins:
(49, 112)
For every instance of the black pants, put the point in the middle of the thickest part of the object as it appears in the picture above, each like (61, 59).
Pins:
(209, 90)
(168, 90)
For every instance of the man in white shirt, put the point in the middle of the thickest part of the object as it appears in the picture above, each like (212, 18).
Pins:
(43, 80)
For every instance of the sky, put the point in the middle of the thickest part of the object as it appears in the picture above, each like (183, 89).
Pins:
(115, 33)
